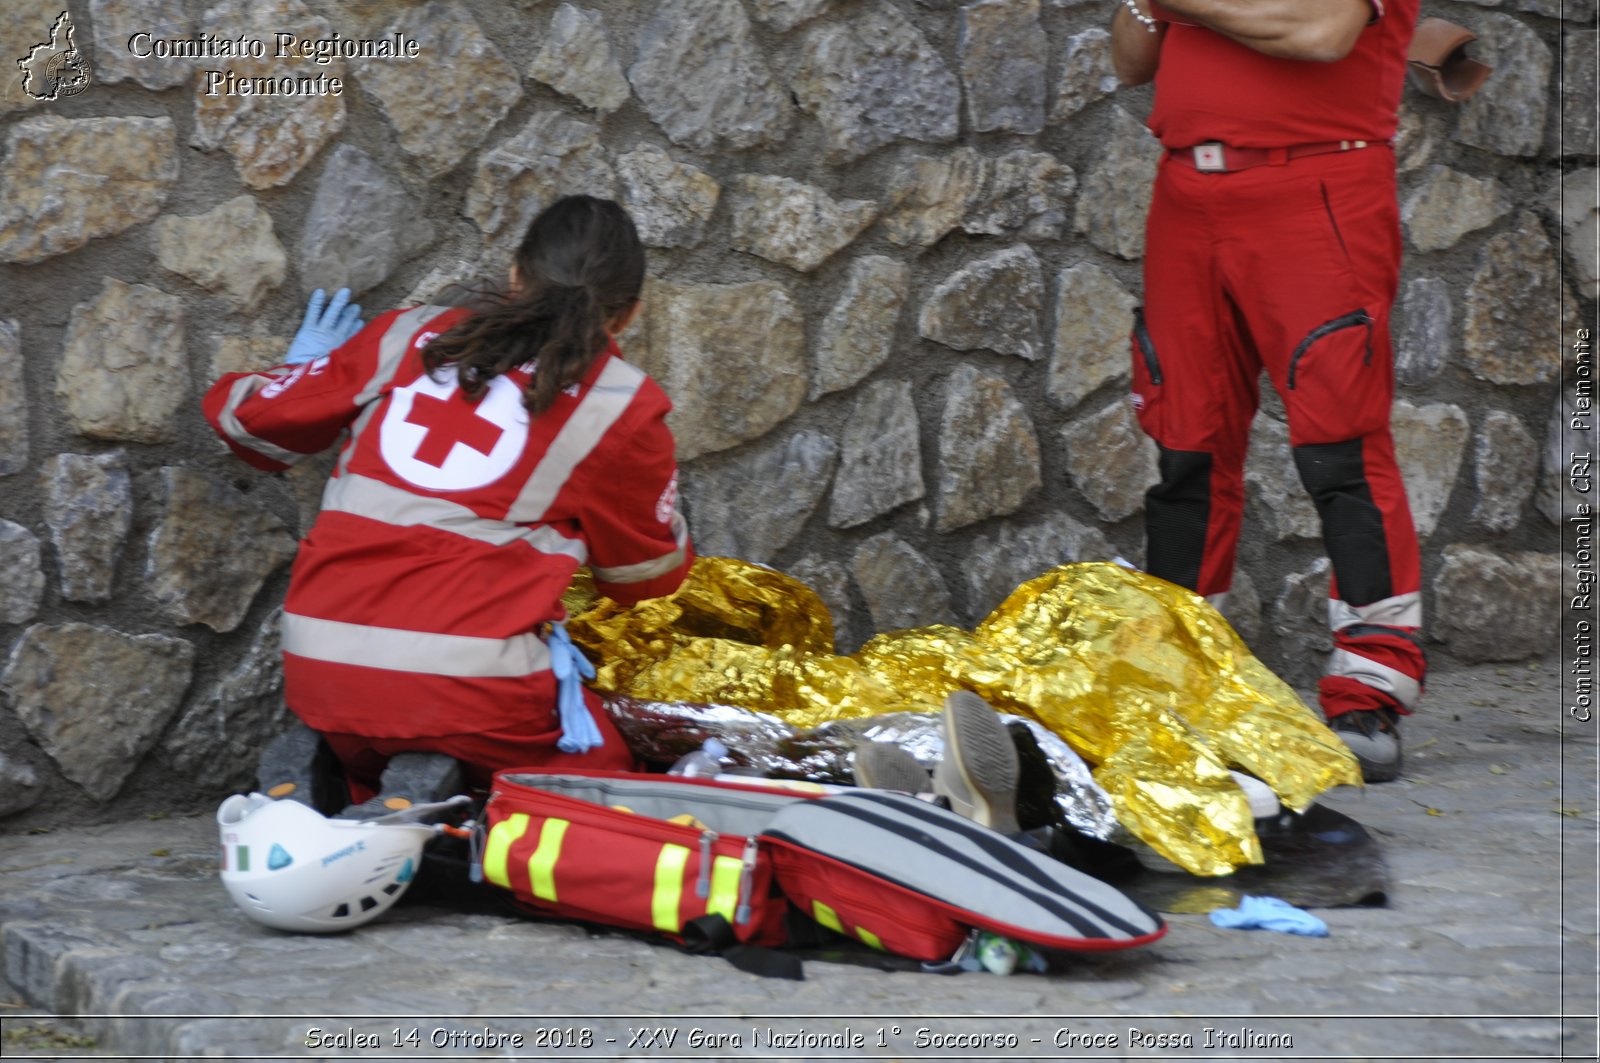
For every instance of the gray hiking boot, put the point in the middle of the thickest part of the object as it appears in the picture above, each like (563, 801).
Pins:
(979, 772)
(1373, 735)
(298, 766)
(882, 766)
(410, 779)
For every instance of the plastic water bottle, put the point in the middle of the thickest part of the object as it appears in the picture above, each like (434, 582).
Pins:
(702, 763)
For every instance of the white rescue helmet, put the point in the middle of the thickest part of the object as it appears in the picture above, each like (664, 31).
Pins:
(289, 867)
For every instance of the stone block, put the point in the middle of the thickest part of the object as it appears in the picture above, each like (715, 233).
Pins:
(1022, 193)
(89, 508)
(1111, 461)
(231, 249)
(1507, 116)
(361, 226)
(857, 335)
(1449, 204)
(66, 181)
(1273, 480)
(754, 505)
(195, 571)
(1115, 196)
(1086, 73)
(928, 196)
(831, 581)
(793, 223)
(670, 201)
(576, 60)
(901, 587)
(20, 788)
(1515, 295)
(1429, 443)
(785, 15)
(270, 137)
(732, 356)
(702, 78)
(992, 303)
(95, 699)
(871, 77)
(989, 462)
(21, 574)
(115, 59)
(1497, 608)
(881, 455)
(123, 372)
(1425, 335)
(550, 157)
(1506, 466)
(1094, 318)
(1019, 551)
(444, 102)
(1003, 57)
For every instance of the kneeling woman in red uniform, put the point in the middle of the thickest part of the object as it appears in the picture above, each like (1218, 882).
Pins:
(489, 455)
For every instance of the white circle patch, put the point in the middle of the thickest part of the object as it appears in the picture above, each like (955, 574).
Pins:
(434, 437)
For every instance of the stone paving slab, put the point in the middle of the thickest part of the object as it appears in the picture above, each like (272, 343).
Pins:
(118, 942)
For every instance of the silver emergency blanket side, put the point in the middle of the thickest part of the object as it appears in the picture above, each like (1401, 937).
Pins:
(1004, 886)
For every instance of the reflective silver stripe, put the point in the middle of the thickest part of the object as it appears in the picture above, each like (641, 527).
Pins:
(391, 351)
(1378, 676)
(643, 570)
(606, 401)
(1403, 610)
(235, 430)
(413, 651)
(366, 497)
(392, 348)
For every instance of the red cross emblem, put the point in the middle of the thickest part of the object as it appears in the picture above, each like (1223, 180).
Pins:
(447, 427)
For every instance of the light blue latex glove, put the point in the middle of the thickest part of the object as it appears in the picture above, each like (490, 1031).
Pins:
(579, 734)
(1270, 913)
(324, 329)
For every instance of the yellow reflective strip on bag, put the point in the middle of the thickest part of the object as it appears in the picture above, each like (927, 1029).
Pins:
(497, 850)
(542, 864)
(669, 888)
(724, 897)
(826, 916)
(869, 938)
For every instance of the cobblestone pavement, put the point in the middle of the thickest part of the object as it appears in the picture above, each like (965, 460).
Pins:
(119, 942)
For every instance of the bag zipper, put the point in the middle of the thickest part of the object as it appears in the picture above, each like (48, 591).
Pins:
(1344, 321)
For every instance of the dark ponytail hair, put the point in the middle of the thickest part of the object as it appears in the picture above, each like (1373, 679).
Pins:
(581, 265)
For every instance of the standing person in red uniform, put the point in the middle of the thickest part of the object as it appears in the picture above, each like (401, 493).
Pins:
(1273, 241)
(488, 456)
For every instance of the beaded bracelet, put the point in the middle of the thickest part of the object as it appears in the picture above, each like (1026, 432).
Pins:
(1145, 20)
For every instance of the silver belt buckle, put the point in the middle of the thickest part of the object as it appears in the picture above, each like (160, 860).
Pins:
(1210, 158)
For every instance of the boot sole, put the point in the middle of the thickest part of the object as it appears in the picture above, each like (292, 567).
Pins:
(880, 766)
(979, 772)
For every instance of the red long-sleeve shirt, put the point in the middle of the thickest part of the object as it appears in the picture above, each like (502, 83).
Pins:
(451, 527)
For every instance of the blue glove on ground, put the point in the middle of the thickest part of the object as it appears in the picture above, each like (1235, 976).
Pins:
(324, 329)
(578, 731)
(1270, 913)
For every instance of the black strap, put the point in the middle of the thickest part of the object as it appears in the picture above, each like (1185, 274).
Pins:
(712, 933)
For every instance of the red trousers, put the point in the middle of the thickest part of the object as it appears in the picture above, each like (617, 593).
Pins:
(481, 753)
(1292, 268)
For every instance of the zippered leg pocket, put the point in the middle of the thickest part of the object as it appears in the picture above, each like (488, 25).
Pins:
(1334, 388)
(1146, 393)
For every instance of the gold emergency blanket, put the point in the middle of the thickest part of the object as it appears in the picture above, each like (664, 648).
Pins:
(1142, 678)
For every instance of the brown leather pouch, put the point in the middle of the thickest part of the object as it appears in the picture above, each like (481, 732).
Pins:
(1439, 64)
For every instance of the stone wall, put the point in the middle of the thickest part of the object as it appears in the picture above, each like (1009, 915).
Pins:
(894, 255)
